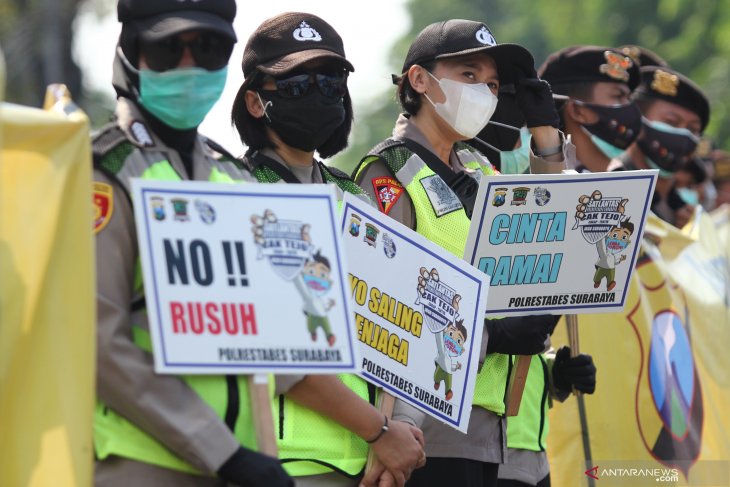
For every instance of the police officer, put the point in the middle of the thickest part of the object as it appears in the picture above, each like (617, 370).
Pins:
(447, 89)
(150, 429)
(294, 101)
(593, 86)
(675, 113)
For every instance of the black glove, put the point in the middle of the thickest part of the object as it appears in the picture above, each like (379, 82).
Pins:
(535, 99)
(520, 335)
(578, 372)
(247, 468)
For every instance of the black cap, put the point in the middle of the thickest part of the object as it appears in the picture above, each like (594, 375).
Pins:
(458, 37)
(577, 64)
(643, 56)
(284, 42)
(157, 19)
(667, 84)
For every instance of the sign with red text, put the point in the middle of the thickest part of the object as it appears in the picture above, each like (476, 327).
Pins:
(418, 312)
(559, 243)
(244, 278)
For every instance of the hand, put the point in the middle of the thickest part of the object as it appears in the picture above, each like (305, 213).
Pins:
(520, 335)
(400, 450)
(247, 468)
(535, 100)
(577, 372)
(378, 476)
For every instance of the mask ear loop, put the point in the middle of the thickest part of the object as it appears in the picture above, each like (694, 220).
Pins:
(499, 124)
(264, 106)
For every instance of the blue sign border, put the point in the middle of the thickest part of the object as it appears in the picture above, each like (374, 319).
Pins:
(227, 192)
(567, 180)
(396, 392)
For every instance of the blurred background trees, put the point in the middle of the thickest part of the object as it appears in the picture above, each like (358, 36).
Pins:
(692, 35)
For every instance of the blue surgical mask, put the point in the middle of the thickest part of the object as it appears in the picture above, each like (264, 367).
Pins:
(181, 97)
(689, 196)
(516, 161)
(610, 151)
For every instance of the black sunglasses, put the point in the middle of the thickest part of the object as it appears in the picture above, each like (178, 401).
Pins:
(332, 84)
(210, 51)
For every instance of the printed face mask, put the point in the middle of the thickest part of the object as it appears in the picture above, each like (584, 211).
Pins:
(666, 148)
(616, 245)
(516, 161)
(468, 107)
(453, 349)
(316, 284)
(305, 122)
(181, 98)
(617, 126)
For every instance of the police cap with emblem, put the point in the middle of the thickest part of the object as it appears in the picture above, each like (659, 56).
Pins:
(592, 64)
(664, 83)
(286, 41)
(643, 56)
(157, 19)
(458, 37)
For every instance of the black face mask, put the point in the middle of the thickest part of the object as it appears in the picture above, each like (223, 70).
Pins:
(619, 125)
(508, 113)
(666, 147)
(304, 122)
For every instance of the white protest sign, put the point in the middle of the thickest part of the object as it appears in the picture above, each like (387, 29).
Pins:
(419, 314)
(559, 243)
(244, 278)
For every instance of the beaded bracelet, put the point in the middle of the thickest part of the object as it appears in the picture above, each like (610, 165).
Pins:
(383, 429)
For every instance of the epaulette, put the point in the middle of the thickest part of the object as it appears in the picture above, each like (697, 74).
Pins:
(337, 172)
(386, 144)
(105, 140)
(225, 155)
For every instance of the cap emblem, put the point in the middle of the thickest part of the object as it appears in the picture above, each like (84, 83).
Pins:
(665, 83)
(485, 37)
(633, 52)
(305, 33)
(616, 66)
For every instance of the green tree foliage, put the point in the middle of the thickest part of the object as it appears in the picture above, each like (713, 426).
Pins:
(36, 38)
(692, 35)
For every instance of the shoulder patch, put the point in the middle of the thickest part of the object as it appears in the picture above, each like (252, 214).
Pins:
(140, 133)
(103, 205)
(387, 191)
(442, 198)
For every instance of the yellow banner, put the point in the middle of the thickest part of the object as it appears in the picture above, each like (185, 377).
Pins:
(660, 411)
(47, 316)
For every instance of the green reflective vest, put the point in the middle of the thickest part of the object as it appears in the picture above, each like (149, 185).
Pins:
(113, 434)
(528, 430)
(439, 219)
(309, 443)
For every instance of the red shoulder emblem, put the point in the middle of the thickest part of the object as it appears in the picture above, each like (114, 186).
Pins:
(103, 205)
(387, 192)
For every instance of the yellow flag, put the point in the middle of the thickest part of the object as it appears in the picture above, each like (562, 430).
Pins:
(47, 316)
(663, 391)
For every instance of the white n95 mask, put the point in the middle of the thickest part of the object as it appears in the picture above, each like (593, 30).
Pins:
(468, 107)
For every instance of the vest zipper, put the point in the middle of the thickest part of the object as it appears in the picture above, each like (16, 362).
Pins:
(545, 388)
(233, 408)
(281, 416)
(506, 383)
